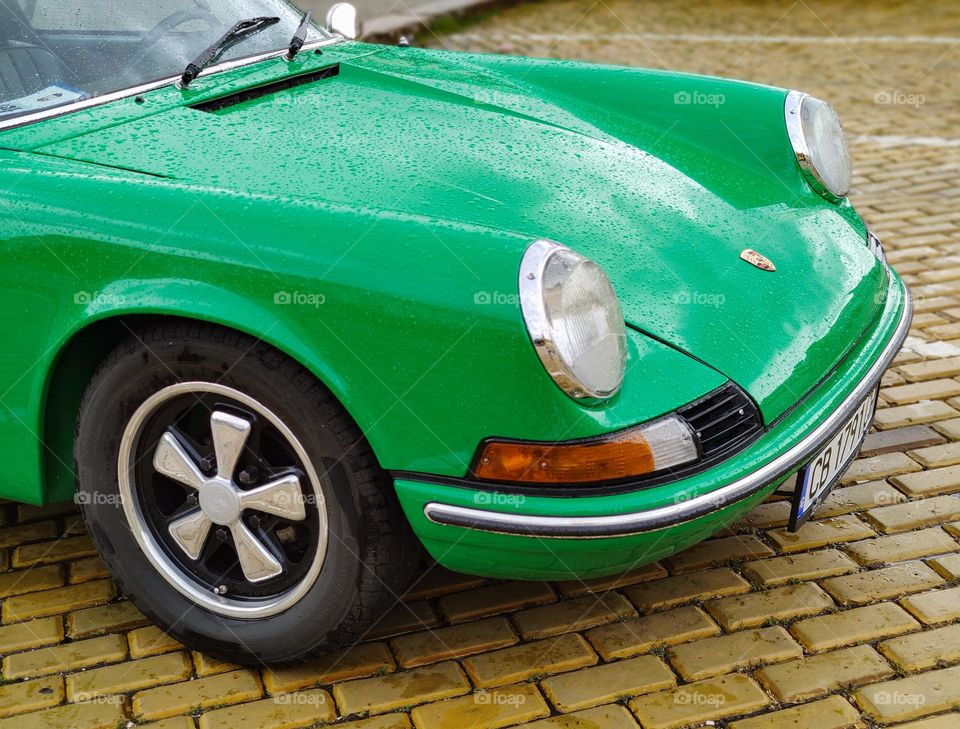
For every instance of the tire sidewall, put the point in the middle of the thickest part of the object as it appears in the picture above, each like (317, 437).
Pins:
(112, 402)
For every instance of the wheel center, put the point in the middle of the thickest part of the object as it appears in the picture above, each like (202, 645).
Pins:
(220, 502)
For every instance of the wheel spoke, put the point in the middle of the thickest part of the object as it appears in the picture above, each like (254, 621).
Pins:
(190, 533)
(255, 559)
(229, 436)
(281, 497)
(173, 461)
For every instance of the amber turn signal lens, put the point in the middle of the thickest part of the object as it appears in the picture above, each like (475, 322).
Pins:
(660, 444)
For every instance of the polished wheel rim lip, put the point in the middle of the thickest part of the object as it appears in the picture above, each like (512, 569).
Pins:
(168, 569)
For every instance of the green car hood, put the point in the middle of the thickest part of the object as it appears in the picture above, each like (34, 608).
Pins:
(663, 194)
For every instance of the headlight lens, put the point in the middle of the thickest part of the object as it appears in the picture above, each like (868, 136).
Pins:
(820, 144)
(574, 319)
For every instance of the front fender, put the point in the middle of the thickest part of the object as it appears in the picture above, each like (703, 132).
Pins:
(413, 323)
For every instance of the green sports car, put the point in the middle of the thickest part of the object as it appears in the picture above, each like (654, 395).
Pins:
(281, 307)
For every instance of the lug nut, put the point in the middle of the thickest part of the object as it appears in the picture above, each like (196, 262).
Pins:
(254, 522)
(249, 475)
(222, 534)
(208, 463)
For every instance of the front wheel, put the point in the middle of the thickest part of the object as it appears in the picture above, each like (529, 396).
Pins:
(234, 500)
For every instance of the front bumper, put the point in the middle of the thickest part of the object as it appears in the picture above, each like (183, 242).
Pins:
(642, 524)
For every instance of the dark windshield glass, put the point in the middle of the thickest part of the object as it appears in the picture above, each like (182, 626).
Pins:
(55, 52)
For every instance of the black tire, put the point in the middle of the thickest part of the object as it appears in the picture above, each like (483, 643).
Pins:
(370, 551)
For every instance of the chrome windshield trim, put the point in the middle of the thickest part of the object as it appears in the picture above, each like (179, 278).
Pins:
(617, 525)
(56, 111)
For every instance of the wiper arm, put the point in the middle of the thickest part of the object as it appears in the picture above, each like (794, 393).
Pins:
(300, 37)
(239, 31)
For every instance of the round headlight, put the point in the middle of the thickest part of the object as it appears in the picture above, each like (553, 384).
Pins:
(574, 319)
(820, 144)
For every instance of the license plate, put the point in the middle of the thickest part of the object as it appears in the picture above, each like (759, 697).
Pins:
(817, 479)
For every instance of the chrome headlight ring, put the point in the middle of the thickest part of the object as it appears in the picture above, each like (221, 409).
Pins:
(820, 144)
(574, 320)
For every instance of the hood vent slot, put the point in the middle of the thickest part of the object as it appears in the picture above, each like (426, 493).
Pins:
(225, 102)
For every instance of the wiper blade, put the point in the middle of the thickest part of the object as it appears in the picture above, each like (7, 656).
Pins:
(300, 37)
(239, 31)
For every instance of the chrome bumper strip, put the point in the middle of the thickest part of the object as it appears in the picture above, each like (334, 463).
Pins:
(615, 525)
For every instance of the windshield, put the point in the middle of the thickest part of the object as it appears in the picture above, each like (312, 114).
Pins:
(56, 52)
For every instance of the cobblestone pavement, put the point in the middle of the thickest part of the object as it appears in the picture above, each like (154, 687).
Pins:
(853, 621)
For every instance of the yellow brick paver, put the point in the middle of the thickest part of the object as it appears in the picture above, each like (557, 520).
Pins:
(179, 698)
(342, 665)
(803, 566)
(832, 713)
(385, 721)
(607, 683)
(287, 711)
(821, 533)
(416, 686)
(911, 697)
(936, 606)
(30, 580)
(576, 588)
(52, 602)
(924, 650)
(31, 634)
(40, 693)
(672, 591)
(70, 716)
(511, 665)
(127, 677)
(809, 678)
(150, 641)
(857, 625)
(881, 584)
(66, 657)
(430, 646)
(611, 716)
(904, 546)
(710, 699)
(913, 515)
(726, 653)
(572, 615)
(717, 552)
(495, 599)
(630, 637)
(104, 619)
(484, 709)
(779, 603)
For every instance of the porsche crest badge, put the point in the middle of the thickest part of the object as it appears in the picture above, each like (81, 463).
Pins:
(756, 259)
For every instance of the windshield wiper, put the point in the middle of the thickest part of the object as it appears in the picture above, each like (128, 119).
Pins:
(238, 32)
(300, 37)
